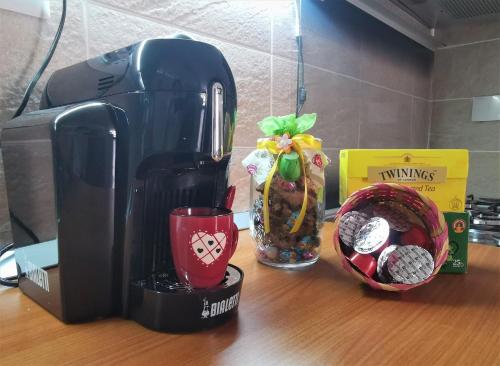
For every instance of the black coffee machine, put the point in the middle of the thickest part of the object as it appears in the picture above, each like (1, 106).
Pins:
(119, 141)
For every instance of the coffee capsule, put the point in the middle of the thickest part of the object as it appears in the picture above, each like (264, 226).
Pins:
(382, 261)
(366, 263)
(372, 237)
(417, 235)
(397, 219)
(406, 212)
(410, 264)
(350, 223)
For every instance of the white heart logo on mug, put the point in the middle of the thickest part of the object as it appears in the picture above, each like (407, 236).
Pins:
(208, 247)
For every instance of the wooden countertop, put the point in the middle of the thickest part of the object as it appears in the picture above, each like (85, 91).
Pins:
(321, 316)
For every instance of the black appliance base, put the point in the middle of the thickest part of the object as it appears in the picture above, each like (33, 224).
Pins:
(165, 305)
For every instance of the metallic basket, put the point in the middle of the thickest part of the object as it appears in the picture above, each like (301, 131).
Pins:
(422, 206)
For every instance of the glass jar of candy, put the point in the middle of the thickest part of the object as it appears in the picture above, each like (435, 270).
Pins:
(287, 243)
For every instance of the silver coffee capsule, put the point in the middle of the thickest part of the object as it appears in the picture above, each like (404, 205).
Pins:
(405, 211)
(350, 223)
(372, 236)
(397, 219)
(382, 261)
(367, 210)
(410, 264)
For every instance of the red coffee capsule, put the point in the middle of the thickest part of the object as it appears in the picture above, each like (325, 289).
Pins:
(417, 235)
(366, 263)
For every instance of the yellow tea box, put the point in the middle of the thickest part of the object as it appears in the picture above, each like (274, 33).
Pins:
(440, 174)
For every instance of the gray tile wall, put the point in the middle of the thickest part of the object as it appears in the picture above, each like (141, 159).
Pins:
(24, 42)
(469, 30)
(468, 66)
(369, 85)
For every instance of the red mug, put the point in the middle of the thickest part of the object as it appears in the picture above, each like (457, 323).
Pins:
(203, 239)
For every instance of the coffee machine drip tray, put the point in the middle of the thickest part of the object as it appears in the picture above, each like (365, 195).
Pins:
(164, 304)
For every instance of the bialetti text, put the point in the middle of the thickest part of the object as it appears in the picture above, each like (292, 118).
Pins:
(220, 307)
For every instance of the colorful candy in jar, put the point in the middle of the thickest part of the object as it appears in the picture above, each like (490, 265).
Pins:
(287, 171)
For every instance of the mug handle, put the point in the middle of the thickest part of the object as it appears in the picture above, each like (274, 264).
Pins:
(236, 236)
